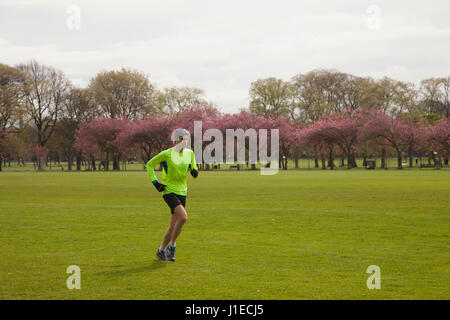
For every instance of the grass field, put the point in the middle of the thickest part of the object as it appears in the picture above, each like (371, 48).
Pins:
(295, 235)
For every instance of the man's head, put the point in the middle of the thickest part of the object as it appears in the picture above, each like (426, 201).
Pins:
(181, 138)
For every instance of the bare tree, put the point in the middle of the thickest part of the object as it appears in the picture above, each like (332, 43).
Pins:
(77, 108)
(44, 93)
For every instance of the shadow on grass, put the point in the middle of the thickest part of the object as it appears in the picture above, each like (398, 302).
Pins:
(156, 264)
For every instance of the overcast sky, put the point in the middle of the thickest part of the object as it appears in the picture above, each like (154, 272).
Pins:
(223, 46)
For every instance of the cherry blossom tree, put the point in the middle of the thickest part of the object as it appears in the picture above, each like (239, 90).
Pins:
(341, 129)
(147, 136)
(318, 141)
(100, 136)
(391, 132)
(439, 138)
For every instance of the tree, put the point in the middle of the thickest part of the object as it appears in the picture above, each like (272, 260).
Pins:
(78, 107)
(181, 99)
(435, 95)
(124, 94)
(44, 93)
(314, 139)
(323, 92)
(341, 129)
(439, 137)
(12, 146)
(271, 97)
(287, 134)
(99, 137)
(147, 136)
(3, 140)
(358, 92)
(11, 82)
(240, 123)
(445, 85)
(310, 103)
(391, 132)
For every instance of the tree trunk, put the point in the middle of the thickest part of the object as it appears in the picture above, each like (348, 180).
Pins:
(331, 160)
(69, 163)
(399, 160)
(116, 162)
(296, 162)
(349, 161)
(78, 160)
(316, 162)
(41, 163)
(383, 158)
(1, 169)
(342, 161)
(324, 163)
(354, 165)
(107, 162)
(94, 168)
(410, 154)
(439, 162)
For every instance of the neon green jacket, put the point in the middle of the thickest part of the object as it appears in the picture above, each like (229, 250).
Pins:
(175, 167)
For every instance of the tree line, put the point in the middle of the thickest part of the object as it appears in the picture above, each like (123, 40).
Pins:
(324, 114)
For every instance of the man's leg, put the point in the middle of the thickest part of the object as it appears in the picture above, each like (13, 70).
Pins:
(169, 231)
(180, 220)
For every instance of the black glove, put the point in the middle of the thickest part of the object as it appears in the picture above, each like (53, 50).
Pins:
(194, 173)
(160, 187)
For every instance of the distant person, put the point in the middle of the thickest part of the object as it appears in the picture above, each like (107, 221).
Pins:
(176, 162)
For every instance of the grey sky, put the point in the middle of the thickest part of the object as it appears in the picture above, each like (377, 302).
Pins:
(223, 46)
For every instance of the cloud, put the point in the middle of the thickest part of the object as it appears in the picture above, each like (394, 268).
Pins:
(222, 47)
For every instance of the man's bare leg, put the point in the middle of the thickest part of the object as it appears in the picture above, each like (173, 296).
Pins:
(169, 231)
(181, 218)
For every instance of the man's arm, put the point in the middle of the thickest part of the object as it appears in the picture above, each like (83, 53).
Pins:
(160, 157)
(193, 166)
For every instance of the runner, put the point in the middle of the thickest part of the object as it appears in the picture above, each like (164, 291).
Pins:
(176, 163)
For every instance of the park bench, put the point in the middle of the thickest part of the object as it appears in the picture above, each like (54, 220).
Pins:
(371, 164)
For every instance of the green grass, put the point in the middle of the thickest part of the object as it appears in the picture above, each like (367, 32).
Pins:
(295, 235)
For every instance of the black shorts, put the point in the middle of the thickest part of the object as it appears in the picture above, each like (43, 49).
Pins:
(174, 200)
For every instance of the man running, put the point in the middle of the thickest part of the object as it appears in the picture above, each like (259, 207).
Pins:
(176, 163)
